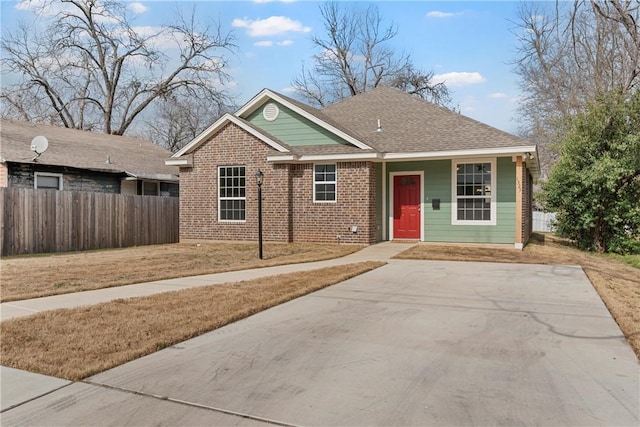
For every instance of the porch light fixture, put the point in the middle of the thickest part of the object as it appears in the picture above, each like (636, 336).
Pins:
(259, 180)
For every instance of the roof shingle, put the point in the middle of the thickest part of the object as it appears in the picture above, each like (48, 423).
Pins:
(411, 125)
(85, 150)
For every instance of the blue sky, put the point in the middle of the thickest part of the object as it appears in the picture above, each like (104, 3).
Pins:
(469, 44)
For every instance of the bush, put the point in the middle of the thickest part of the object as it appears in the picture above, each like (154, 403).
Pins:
(595, 186)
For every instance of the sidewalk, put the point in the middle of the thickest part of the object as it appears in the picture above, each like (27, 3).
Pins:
(10, 310)
(17, 387)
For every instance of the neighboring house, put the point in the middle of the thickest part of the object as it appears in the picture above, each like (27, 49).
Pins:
(383, 165)
(78, 160)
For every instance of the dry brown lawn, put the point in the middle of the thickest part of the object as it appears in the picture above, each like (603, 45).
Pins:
(42, 275)
(77, 343)
(617, 283)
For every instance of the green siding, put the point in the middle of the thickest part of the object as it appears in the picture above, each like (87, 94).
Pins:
(293, 129)
(437, 185)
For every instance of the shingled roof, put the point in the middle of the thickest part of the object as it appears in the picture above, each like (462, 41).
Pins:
(85, 150)
(411, 125)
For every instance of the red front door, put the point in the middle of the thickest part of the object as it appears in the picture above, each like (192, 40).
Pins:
(406, 207)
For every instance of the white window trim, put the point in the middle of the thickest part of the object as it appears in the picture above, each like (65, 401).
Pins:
(232, 221)
(454, 196)
(324, 182)
(37, 174)
(392, 175)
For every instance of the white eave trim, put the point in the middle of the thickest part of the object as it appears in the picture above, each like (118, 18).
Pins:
(186, 160)
(259, 99)
(309, 158)
(461, 153)
(222, 121)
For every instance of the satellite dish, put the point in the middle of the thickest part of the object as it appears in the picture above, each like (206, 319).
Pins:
(39, 144)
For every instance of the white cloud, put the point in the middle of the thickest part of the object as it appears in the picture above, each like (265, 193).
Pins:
(269, 43)
(469, 104)
(455, 78)
(53, 8)
(498, 95)
(270, 26)
(137, 7)
(289, 89)
(440, 14)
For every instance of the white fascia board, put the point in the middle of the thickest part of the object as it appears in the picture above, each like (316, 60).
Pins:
(461, 153)
(309, 158)
(180, 161)
(226, 118)
(259, 99)
(278, 159)
(353, 156)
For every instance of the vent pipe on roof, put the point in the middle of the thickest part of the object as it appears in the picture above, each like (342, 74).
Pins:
(108, 159)
(379, 128)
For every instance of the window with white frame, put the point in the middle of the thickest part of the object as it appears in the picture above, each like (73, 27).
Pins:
(45, 180)
(474, 192)
(231, 193)
(324, 183)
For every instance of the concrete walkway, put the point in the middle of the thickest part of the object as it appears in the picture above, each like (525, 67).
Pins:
(412, 343)
(10, 310)
(17, 387)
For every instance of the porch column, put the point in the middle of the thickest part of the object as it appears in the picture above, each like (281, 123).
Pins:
(519, 198)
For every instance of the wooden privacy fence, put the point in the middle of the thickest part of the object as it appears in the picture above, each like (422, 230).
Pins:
(41, 221)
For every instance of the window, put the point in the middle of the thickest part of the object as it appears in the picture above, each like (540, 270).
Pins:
(231, 193)
(44, 180)
(150, 188)
(474, 192)
(324, 183)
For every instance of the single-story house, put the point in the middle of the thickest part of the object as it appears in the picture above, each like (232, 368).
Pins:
(78, 160)
(382, 165)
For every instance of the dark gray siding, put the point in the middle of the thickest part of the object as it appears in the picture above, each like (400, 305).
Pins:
(21, 176)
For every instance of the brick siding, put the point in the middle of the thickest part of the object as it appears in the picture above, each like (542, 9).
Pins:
(289, 213)
(4, 175)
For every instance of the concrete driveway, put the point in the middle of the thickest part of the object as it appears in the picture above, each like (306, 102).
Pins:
(412, 343)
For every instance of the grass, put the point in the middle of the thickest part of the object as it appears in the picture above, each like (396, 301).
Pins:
(63, 343)
(53, 274)
(616, 279)
(632, 260)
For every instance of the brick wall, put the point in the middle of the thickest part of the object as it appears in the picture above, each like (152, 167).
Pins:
(4, 175)
(289, 213)
(355, 205)
(232, 146)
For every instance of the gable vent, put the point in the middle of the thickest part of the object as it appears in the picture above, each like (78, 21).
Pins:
(270, 112)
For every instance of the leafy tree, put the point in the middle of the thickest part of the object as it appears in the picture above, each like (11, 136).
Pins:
(595, 186)
(91, 68)
(355, 56)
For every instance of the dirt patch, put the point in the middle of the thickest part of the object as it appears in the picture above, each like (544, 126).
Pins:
(53, 274)
(64, 343)
(617, 283)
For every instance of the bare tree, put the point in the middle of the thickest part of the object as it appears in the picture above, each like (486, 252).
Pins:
(567, 54)
(355, 56)
(179, 118)
(91, 68)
